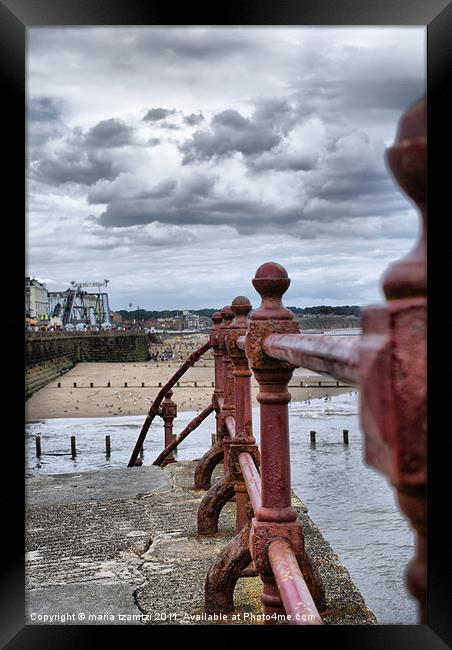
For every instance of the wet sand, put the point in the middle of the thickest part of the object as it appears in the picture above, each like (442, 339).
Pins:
(101, 401)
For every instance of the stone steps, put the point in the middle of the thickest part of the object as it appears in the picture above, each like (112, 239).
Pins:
(39, 376)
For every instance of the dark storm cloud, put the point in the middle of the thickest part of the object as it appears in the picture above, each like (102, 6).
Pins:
(193, 119)
(348, 179)
(284, 113)
(44, 122)
(230, 133)
(282, 161)
(74, 166)
(381, 94)
(206, 45)
(43, 109)
(244, 215)
(80, 157)
(350, 96)
(170, 126)
(109, 192)
(108, 133)
(349, 186)
(157, 114)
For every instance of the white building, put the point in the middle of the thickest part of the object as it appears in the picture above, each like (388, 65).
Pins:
(36, 300)
(191, 321)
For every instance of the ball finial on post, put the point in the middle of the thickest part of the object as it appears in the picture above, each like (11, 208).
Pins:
(393, 353)
(407, 161)
(226, 315)
(271, 283)
(240, 307)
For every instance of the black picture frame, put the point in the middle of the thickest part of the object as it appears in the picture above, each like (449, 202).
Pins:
(18, 15)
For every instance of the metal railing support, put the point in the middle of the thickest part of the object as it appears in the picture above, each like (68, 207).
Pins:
(168, 411)
(154, 410)
(214, 455)
(393, 361)
(227, 408)
(243, 439)
(276, 518)
(218, 368)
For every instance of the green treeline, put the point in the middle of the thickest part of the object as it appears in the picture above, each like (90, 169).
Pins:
(321, 310)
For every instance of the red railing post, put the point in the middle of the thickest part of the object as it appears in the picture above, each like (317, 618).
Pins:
(243, 440)
(218, 368)
(168, 411)
(228, 383)
(215, 454)
(392, 362)
(154, 410)
(276, 518)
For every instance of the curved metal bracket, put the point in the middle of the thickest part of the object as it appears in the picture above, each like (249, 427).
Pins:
(222, 577)
(205, 467)
(212, 504)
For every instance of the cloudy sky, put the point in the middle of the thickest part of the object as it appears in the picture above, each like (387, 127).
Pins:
(175, 161)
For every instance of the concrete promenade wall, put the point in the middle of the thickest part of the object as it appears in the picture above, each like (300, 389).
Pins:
(122, 545)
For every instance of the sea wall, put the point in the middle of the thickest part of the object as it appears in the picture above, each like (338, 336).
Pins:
(51, 354)
(41, 374)
(42, 347)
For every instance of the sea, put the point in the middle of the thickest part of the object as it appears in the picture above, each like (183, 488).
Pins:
(353, 504)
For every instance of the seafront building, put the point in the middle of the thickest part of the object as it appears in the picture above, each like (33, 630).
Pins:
(67, 308)
(36, 300)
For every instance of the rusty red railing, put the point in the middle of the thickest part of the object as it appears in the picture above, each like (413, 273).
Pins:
(266, 494)
(388, 365)
(155, 407)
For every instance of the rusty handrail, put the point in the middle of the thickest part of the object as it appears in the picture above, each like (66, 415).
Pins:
(295, 595)
(336, 356)
(252, 479)
(191, 426)
(153, 411)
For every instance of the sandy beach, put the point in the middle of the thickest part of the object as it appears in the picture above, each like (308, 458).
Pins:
(194, 392)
